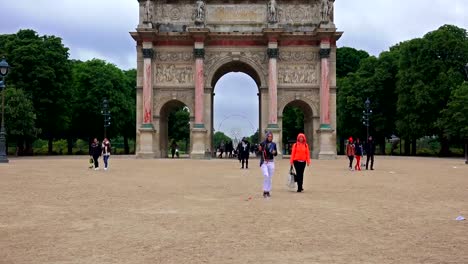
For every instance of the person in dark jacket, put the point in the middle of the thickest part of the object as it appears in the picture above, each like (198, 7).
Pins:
(267, 151)
(95, 151)
(244, 152)
(370, 151)
(350, 152)
(358, 150)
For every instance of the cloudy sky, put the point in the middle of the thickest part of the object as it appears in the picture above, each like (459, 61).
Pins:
(99, 29)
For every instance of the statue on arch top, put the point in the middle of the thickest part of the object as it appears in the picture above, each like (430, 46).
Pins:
(327, 11)
(148, 12)
(272, 12)
(200, 11)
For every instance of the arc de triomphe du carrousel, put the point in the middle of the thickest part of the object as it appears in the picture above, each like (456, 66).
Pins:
(184, 47)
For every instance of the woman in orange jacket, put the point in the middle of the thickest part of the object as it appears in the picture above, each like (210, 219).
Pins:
(300, 156)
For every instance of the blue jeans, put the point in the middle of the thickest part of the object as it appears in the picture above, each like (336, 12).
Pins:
(106, 158)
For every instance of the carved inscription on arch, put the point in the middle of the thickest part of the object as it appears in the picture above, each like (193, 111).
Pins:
(297, 74)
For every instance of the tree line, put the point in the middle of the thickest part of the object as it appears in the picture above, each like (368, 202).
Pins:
(417, 89)
(51, 97)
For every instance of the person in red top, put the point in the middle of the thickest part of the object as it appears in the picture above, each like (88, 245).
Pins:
(300, 156)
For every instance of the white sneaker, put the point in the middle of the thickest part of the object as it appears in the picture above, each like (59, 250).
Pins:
(105, 168)
(96, 168)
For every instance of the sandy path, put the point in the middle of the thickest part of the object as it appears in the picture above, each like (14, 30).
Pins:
(55, 210)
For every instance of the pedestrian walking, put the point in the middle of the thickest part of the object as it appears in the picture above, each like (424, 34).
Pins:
(300, 157)
(370, 151)
(358, 154)
(244, 152)
(106, 152)
(350, 152)
(267, 150)
(95, 152)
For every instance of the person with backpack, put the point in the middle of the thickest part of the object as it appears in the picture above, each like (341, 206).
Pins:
(300, 157)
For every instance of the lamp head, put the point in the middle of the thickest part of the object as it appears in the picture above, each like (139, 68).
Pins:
(4, 67)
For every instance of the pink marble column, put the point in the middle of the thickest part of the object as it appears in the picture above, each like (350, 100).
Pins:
(147, 86)
(199, 89)
(325, 88)
(273, 86)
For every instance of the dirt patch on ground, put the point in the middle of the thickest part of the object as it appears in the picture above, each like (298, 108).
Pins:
(56, 210)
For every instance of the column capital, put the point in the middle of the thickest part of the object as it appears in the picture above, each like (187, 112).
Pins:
(199, 53)
(273, 53)
(148, 53)
(324, 53)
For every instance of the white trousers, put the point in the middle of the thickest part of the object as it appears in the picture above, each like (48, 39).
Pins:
(268, 168)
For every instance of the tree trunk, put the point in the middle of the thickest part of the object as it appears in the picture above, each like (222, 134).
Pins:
(382, 146)
(413, 147)
(444, 147)
(29, 148)
(70, 145)
(49, 146)
(126, 147)
(19, 147)
(342, 146)
(407, 147)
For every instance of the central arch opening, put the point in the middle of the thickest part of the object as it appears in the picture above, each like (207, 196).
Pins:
(236, 108)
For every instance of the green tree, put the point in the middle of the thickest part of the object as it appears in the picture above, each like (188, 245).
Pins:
(179, 125)
(348, 60)
(20, 119)
(219, 137)
(454, 119)
(92, 81)
(42, 70)
(429, 68)
(129, 127)
(293, 123)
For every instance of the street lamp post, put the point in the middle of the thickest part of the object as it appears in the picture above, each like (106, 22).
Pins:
(4, 67)
(107, 115)
(366, 116)
(466, 140)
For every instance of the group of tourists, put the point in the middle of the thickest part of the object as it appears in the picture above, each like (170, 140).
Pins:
(355, 149)
(97, 150)
(267, 150)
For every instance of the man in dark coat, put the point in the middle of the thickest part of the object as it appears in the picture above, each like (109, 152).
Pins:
(244, 152)
(370, 151)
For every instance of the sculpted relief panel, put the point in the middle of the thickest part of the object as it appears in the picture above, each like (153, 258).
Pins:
(173, 74)
(298, 74)
(299, 13)
(173, 67)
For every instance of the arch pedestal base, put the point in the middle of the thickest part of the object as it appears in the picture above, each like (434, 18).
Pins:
(147, 138)
(199, 148)
(327, 143)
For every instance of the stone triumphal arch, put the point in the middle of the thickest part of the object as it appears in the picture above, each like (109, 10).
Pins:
(184, 47)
